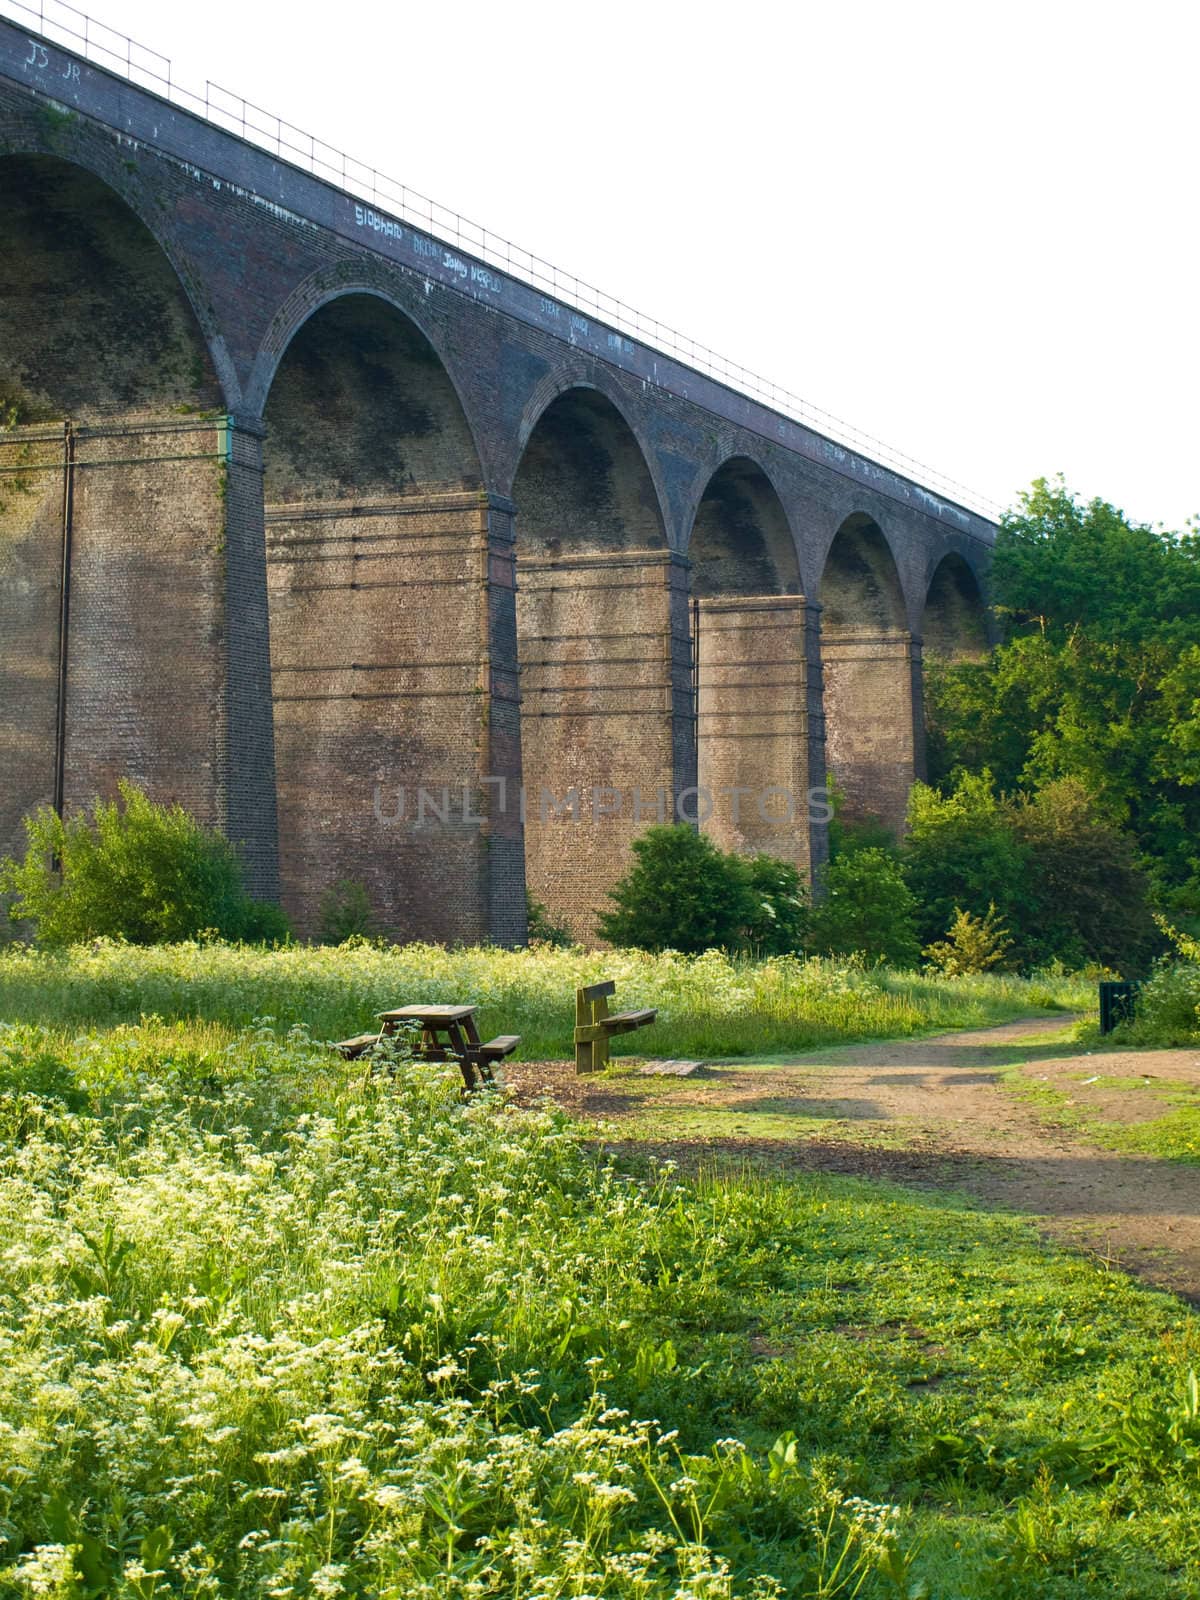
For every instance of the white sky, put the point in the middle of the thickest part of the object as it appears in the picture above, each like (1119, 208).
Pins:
(970, 230)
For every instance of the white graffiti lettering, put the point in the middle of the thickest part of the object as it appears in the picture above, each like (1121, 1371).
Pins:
(366, 218)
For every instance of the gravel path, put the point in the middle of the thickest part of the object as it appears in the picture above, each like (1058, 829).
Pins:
(930, 1112)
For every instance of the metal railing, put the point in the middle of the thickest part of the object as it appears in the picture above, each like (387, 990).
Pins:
(105, 47)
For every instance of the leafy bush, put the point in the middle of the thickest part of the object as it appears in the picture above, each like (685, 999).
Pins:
(345, 912)
(682, 893)
(542, 929)
(961, 851)
(973, 944)
(134, 870)
(1060, 877)
(780, 921)
(1087, 898)
(868, 909)
(1168, 1003)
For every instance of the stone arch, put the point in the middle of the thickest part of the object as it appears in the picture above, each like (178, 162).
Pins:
(869, 668)
(954, 621)
(113, 508)
(321, 290)
(860, 580)
(749, 623)
(601, 621)
(583, 479)
(955, 628)
(741, 539)
(377, 540)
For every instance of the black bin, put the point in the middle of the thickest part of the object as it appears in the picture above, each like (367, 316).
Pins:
(1118, 1002)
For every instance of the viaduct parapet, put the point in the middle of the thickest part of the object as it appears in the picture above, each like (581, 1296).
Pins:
(398, 570)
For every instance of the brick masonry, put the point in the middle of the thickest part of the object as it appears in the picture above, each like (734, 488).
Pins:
(348, 508)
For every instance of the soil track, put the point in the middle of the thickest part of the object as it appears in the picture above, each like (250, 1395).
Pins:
(931, 1112)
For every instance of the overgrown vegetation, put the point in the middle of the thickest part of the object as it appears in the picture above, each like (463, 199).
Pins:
(709, 1005)
(684, 893)
(345, 912)
(1098, 680)
(274, 1325)
(131, 870)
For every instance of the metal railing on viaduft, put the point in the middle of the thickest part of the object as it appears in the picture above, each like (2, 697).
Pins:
(103, 46)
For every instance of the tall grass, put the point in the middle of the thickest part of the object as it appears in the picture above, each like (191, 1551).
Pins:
(709, 1005)
(274, 1328)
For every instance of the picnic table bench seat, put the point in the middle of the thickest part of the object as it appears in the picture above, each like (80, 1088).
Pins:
(358, 1046)
(502, 1045)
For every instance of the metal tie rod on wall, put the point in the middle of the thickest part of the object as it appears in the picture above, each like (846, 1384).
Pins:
(115, 52)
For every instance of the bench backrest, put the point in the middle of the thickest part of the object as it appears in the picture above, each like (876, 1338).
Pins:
(591, 1002)
(597, 991)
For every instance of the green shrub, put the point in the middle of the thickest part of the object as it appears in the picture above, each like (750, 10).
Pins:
(1088, 899)
(542, 927)
(780, 921)
(961, 851)
(682, 893)
(868, 909)
(133, 870)
(972, 944)
(345, 912)
(1062, 879)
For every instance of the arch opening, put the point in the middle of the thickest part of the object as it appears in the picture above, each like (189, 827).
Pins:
(954, 624)
(112, 508)
(750, 647)
(869, 668)
(954, 632)
(602, 642)
(377, 538)
(741, 542)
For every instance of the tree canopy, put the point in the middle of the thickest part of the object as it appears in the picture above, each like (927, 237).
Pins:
(1097, 681)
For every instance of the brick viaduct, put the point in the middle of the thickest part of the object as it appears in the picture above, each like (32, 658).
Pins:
(302, 511)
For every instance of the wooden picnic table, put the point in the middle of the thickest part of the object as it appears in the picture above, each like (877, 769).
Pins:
(448, 1033)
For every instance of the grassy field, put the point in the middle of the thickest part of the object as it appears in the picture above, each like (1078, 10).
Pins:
(273, 1327)
(708, 1005)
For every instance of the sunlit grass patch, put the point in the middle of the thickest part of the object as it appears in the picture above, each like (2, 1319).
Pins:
(709, 1006)
(274, 1325)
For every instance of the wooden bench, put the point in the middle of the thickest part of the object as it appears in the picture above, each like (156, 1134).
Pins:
(595, 1025)
(358, 1046)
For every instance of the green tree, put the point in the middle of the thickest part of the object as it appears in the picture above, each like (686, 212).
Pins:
(1088, 901)
(133, 870)
(1066, 567)
(780, 922)
(961, 852)
(681, 893)
(972, 944)
(867, 909)
(1099, 680)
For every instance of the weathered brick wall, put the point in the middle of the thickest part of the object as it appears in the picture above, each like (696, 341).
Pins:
(753, 731)
(869, 734)
(31, 487)
(872, 720)
(597, 719)
(144, 686)
(95, 328)
(953, 622)
(379, 649)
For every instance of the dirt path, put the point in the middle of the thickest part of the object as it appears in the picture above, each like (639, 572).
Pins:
(930, 1112)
